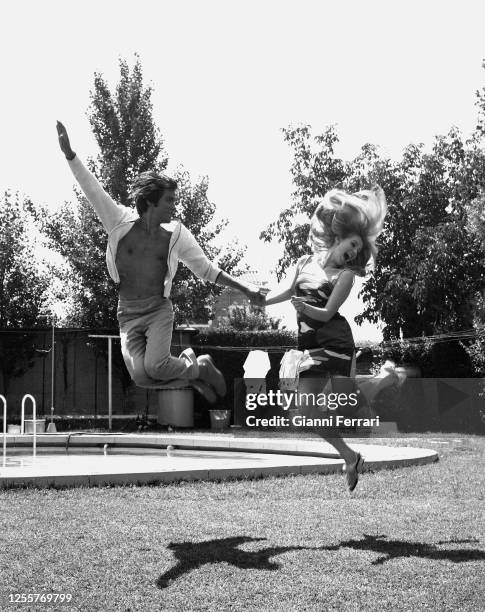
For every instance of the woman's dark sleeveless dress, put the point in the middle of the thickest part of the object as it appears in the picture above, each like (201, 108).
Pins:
(330, 344)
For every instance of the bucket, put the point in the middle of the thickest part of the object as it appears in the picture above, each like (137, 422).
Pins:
(29, 426)
(13, 429)
(176, 407)
(220, 419)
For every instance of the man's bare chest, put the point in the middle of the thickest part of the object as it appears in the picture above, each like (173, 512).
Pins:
(139, 245)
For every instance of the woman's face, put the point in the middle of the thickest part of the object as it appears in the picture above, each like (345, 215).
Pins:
(346, 250)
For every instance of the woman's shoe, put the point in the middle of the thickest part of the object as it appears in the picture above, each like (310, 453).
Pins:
(352, 471)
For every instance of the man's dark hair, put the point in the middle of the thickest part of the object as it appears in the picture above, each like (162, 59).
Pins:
(148, 188)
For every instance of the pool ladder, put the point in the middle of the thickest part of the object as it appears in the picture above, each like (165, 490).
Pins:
(22, 423)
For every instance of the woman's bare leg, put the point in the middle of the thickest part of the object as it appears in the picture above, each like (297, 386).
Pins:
(313, 387)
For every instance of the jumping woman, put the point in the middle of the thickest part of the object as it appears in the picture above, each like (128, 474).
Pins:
(343, 233)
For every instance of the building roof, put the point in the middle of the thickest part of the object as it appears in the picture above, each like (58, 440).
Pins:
(251, 276)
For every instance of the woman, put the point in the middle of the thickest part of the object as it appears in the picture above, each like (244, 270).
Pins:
(343, 233)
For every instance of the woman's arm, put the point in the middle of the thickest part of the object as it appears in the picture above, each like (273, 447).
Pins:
(286, 289)
(278, 295)
(338, 296)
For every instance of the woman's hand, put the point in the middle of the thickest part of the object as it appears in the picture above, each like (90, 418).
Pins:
(299, 304)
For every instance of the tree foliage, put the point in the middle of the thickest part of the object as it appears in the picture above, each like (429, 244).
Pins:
(130, 143)
(22, 282)
(475, 219)
(23, 286)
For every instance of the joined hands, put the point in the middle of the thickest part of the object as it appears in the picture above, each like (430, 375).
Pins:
(257, 296)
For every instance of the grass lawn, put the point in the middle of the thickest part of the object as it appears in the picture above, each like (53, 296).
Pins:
(409, 539)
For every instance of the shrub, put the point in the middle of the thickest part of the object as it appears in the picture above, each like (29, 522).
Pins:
(245, 318)
(418, 352)
(476, 349)
(445, 358)
(226, 336)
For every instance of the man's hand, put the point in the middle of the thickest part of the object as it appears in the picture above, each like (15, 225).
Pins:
(64, 142)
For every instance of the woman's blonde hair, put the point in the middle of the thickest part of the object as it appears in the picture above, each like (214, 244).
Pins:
(341, 214)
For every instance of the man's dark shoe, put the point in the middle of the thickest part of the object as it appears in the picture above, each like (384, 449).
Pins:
(211, 375)
(205, 390)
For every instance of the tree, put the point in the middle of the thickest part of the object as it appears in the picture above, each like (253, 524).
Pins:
(22, 283)
(23, 286)
(475, 219)
(130, 143)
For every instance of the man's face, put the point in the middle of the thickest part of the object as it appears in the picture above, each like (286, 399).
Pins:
(164, 209)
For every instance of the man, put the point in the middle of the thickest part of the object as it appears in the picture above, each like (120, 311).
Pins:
(144, 248)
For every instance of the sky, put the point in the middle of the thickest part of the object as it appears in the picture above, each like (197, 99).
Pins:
(227, 76)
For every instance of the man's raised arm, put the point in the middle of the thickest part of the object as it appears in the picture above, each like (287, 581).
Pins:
(109, 213)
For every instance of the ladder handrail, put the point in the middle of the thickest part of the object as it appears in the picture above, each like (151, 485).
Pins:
(34, 417)
(2, 397)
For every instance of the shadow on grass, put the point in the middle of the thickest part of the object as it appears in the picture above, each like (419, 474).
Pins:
(192, 555)
(393, 549)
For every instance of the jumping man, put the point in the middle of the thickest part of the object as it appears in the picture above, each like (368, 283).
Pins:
(144, 248)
